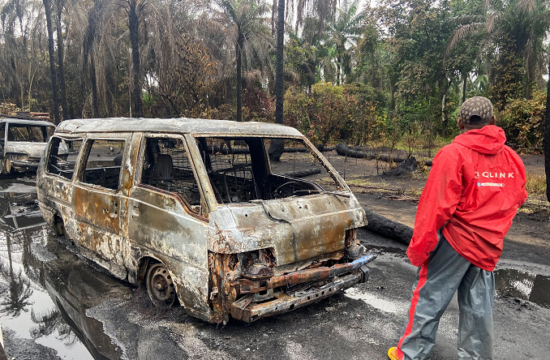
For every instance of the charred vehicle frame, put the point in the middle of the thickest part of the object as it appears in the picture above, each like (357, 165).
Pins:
(22, 143)
(195, 209)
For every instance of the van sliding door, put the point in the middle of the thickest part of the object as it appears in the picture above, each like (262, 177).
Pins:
(97, 198)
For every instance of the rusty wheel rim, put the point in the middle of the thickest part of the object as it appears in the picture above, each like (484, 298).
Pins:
(160, 286)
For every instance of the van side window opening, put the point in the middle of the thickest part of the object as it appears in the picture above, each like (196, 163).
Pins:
(62, 157)
(103, 164)
(29, 133)
(239, 170)
(166, 166)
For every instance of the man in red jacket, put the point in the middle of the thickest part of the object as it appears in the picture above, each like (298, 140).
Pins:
(474, 190)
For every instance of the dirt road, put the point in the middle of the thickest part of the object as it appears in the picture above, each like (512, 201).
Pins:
(54, 304)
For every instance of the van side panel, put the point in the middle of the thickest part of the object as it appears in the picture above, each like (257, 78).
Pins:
(95, 225)
(159, 223)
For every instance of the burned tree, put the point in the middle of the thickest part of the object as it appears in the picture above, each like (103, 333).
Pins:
(134, 10)
(61, 72)
(51, 51)
(277, 147)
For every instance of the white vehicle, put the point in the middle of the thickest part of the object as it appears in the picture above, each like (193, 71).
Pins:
(22, 144)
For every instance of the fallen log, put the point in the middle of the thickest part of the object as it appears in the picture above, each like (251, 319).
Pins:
(406, 168)
(217, 149)
(302, 173)
(388, 228)
(344, 150)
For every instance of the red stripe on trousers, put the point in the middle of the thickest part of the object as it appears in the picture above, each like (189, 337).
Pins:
(422, 276)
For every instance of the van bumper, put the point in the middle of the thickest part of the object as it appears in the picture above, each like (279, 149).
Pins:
(246, 310)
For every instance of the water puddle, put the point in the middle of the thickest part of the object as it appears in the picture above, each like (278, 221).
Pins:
(523, 285)
(36, 306)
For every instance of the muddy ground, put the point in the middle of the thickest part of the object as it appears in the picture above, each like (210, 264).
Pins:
(56, 305)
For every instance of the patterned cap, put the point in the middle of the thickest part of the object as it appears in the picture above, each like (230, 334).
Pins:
(476, 106)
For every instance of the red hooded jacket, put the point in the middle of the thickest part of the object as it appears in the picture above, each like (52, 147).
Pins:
(474, 190)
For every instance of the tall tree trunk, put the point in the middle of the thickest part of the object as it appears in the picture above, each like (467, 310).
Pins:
(546, 142)
(464, 81)
(60, 57)
(392, 96)
(239, 48)
(93, 80)
(133, 25)
(277, 146)
(338, 62)
(443, 117)
(48, 12)
(273, 12)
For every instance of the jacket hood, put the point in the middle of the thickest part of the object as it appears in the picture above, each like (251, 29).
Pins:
(488, 140)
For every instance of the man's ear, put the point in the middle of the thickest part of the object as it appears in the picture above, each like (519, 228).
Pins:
(493, 120)
(460, 124)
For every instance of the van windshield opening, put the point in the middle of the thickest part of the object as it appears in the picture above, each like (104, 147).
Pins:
(239, 169)
(29, 133)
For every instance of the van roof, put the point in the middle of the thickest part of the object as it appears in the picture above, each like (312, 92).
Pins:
(179, 125)
(25, 122)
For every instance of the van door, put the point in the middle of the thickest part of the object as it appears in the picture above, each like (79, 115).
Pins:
(97, 200)
(167, 215)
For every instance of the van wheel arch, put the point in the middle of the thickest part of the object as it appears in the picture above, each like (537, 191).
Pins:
(59, 227)
(144, 263)
(152, 273)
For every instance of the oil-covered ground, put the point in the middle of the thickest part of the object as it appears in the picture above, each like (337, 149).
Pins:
(56, 305)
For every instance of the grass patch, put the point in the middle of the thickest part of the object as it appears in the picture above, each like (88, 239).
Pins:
(536, 184)
(360, 181)
(415, 191)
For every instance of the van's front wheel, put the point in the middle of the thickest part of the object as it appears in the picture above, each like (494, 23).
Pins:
(160, 286)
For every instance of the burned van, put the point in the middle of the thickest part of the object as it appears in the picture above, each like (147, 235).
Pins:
(22, 143)
(196, 211)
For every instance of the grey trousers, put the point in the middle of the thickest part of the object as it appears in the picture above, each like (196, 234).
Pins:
(445, 273)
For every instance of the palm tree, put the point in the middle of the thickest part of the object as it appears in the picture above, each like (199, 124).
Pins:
(346, 29)
(515, 27)
(311, 54)
(244, 19)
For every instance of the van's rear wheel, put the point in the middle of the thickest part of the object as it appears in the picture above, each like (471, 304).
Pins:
(160, 286)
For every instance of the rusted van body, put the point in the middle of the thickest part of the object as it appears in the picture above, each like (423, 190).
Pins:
(195, 209)
(22, 143)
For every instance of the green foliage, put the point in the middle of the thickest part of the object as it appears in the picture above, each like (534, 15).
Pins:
(331, 112)
(321, 114)
(523, 121)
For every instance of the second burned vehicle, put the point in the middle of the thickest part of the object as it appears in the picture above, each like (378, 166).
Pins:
(195, 209)
(22, 143)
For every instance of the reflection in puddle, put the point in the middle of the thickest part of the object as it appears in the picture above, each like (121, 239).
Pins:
(26, 308)
(523, 285)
